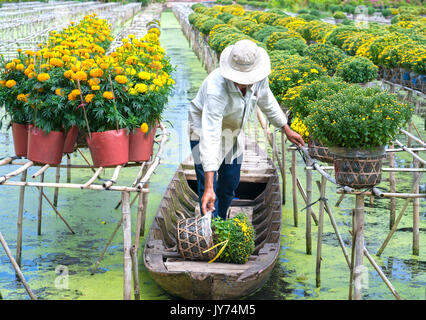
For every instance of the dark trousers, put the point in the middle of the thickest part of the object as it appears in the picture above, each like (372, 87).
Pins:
(225, 182)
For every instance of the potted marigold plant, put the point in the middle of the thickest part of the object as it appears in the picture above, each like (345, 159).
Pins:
(300, 101)
(357, 123)
(148, 84)
(14, 92)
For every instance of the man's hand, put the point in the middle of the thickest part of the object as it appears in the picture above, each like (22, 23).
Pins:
(209, 197)
(207, 201)
(293, 136)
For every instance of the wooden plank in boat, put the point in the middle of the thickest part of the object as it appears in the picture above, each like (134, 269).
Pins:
(233, 211)
(245, 177)
(180, 265)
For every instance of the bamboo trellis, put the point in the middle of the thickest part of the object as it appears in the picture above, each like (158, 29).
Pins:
(355, 260)
(140, 187)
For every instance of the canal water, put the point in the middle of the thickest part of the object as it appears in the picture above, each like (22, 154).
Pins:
(57, 264)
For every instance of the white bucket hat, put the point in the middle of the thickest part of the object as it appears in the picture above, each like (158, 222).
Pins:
(244, 62)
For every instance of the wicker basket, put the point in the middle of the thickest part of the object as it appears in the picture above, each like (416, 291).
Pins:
(358, 169)
(191, 240)
(318, 151)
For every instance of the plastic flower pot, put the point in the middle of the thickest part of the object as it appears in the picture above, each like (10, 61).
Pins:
(109, 148)
(141, 145)
(45, 148)
(20, 138)
(70, 139)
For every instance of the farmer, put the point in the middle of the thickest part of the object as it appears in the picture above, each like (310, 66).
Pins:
(217, 115)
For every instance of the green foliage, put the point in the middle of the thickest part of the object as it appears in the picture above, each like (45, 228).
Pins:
(357, 70)
(291, 46)
(357, 117)
(299, 100)
(262, 34)
(326, 55)
(238, 234)
(339, 15)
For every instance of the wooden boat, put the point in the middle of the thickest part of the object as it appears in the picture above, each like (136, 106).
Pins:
(258, 195)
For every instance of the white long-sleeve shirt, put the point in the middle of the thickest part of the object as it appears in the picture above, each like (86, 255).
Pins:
(219, 112)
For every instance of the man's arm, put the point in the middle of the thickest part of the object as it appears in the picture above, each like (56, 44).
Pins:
(209, 197)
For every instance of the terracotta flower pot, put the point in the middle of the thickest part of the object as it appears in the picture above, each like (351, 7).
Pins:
(45, 148)
(70, 139)
(20, 138)
(141, 145)
(109, 148)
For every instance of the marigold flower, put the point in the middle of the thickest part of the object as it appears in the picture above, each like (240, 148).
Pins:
(96, 73)
(88, 98)
(121, 79)
(141, 87)
(95, 88)
(22, 97)
(144, 127)
(10, 83)
(143, 75)
(59, 92)
(80, 75)
(108, 95)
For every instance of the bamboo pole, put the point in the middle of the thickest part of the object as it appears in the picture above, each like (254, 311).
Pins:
(359, 246)
(6, 161)
(413, 137)
(336, 229)
(113, 179)
(42, 170)
(127, 244)
(92, 179)
(68, 168)
(56, 193)
(40, 206)
(309, 208)
(56, 210)
(20, 216)
(135, 270)
(303, 194)
(16, 267)
(320, 229)
(392, 187)
(410, 152)
(416, 215)
(351, 276)
(106, 246)
(294, 183)
(381, 274)
(283, 165)
(12, 174)
(398, 219)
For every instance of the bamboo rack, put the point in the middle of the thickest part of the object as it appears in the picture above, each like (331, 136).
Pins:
(139, 187)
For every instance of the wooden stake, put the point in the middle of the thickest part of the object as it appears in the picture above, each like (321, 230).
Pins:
(392, 187)
(40, 206)
(106, 246)
(127, 244)
(68, 168)
(381, 274)
(401, 213)
(55, 195)
(135, 270)
(309, 208)
(283, 164)
(16, 267)
(359, 246)
(416, 216)
(20, 215)
(320, 228)
(294, 191)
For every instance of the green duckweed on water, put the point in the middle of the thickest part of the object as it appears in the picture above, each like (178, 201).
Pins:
(48, 260)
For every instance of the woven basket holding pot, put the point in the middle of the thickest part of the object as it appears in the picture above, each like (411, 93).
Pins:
(318, 151)
(358, 168)
(192, 240)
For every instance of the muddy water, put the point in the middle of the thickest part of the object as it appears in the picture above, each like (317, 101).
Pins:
(57, 264)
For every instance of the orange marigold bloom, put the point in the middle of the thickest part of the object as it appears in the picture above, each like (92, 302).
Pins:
(10, 83)
(108, 95)
(43, 77)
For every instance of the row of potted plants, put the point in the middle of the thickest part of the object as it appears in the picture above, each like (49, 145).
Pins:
(373, 41)
(71, 86)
